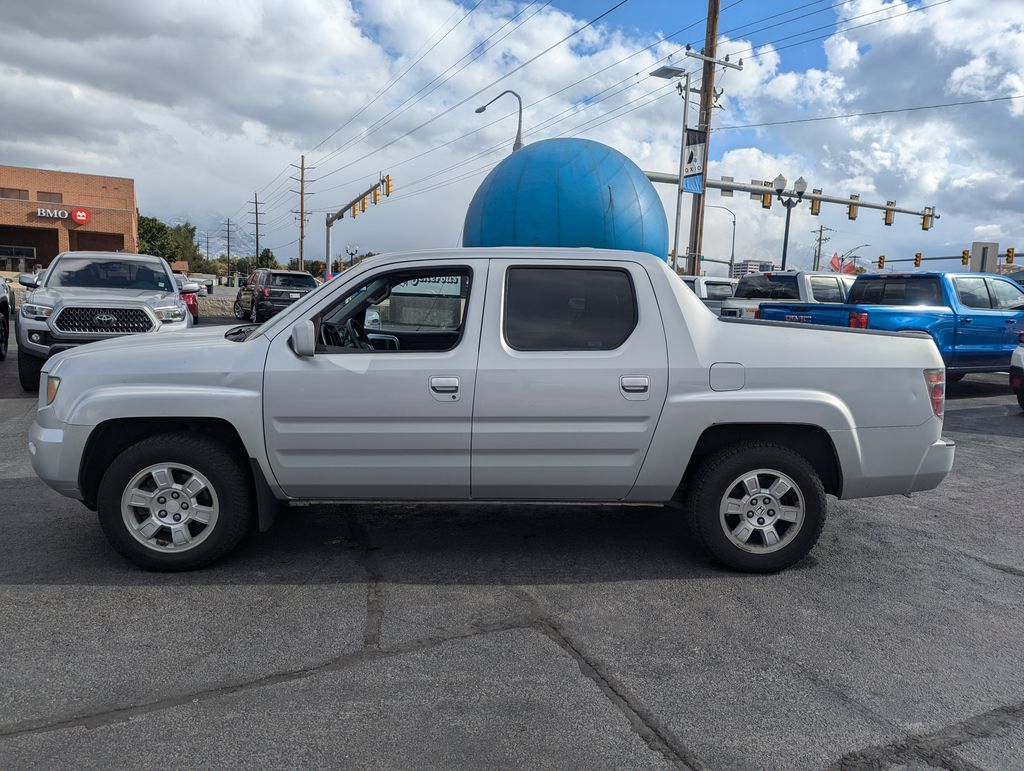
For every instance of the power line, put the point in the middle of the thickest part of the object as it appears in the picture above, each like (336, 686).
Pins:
(872, 112)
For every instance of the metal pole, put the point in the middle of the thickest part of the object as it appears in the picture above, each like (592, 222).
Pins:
(330, 261)
(732, 251)
(302, 209)
(785, 238)
(679, 185)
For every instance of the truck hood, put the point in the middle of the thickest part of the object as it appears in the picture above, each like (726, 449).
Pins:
(59, 297)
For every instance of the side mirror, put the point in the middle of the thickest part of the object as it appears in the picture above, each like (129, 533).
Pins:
(303, 338)
(372, 320)
(28, 281)
(189, 287)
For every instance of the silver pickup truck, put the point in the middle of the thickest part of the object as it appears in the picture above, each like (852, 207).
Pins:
(492, 374)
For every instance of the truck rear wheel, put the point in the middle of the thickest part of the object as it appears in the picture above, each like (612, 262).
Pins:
(175, 502)
(756, 507)
(4, 337)
(29, 368)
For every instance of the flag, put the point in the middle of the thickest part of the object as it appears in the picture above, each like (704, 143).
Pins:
(836, 264)
(849, 267)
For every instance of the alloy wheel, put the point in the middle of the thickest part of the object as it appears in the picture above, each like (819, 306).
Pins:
(170, 507)
(762, 511)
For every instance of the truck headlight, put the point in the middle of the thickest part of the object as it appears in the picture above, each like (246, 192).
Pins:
(52, 384)
(171, 313)
(33, 311)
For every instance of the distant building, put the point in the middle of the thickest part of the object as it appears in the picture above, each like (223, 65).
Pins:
(45, 212)
(743, 267)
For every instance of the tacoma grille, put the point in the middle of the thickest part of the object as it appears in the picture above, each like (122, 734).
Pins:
(104, 321)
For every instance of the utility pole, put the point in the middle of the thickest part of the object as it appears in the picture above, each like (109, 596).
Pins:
(256, 214)
(301, 179)
(822, 238)
(207, 246)
(227, 235)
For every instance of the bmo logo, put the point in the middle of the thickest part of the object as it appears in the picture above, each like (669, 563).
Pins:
(77, 215)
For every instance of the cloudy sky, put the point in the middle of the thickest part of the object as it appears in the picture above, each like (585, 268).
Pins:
(205, 103)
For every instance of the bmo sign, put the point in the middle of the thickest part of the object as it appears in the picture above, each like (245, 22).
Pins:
(78, 215)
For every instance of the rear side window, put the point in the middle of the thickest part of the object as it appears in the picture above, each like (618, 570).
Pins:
(925, 290)
(718, 290)
(825, 289)
(568, 309)
(972, 292)
(770, 287)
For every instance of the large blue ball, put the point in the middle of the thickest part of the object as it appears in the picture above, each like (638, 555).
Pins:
(567, 192)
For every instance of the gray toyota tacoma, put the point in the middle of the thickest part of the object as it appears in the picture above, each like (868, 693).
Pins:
(88, 296)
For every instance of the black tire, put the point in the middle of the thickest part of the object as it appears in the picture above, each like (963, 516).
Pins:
(254, 315)
(955, 377)
(706, 489)
(227, 476)
(239, 311)
(5, 329)
(29, 368)
(1020, 399)
(195, 319)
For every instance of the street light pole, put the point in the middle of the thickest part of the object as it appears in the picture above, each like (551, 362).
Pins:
(682, 163)
(518, 143)
(790, 200)
(732, 251)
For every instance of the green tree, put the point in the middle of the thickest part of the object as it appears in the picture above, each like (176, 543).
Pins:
(266, 259)
(153, 237)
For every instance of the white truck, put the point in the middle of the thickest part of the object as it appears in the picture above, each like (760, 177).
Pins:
(505, 374)
(788, 286)
(712, 290)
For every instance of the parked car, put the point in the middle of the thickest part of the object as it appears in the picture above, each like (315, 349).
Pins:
(975, 318)
(756, 289)
(1017, 372)
(88, 296)
(191, 298)
(7, 315)
(268, 292)
(711, 290)
(508, 374)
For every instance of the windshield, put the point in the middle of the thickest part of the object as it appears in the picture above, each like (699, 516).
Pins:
(99, 273)
(303, 280)
(769, 287)
(289, 313)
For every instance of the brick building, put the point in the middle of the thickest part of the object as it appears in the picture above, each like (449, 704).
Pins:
(43, 213)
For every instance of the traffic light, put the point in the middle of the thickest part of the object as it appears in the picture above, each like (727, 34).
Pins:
(815, 203)
(926, 219)
(766, 198)
(851, 210)
(376, 195)
(355, 210)
(889, 213)
(965, 257)
(389, 185)
(1010, 252)
(917, 259)
(362, 204)
(881, 261)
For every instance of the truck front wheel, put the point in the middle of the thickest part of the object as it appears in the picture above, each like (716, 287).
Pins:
(29, 368)
(756, 507)
(175, 502)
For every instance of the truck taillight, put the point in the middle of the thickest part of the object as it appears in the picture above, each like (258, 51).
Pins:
(757, 315)
(858, 320)
(1020, 338)
(266, 291)
(935, 379)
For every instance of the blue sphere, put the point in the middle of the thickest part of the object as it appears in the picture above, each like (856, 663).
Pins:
(570, 193)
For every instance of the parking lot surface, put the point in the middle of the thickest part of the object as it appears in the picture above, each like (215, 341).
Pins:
(508, 635)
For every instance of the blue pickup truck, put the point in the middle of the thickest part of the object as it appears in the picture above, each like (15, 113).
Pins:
(976, 319)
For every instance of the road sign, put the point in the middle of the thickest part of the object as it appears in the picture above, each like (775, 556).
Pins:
(696, 141)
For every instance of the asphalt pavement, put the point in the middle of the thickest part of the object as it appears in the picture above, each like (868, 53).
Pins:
(525, 636)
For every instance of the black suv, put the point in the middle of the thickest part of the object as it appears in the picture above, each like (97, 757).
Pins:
(269, 291)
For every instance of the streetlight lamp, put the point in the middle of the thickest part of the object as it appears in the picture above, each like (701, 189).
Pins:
(518, 144)
(854, 258)
(790, 200)
(732, 251)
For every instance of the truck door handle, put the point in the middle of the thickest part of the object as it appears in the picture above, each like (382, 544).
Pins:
(966, 321)
(635, 384)
(1010, 321)
(444, 385)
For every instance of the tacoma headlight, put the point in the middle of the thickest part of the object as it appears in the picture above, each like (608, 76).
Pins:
(32, 311)
(171, 313)
(52, 384)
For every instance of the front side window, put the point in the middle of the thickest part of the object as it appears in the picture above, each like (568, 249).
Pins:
(972, 292)
(411, 310)
(1006, 296)
(768, 287)
(825, 289)
(93, 273)
(719, 290)
(568, 309)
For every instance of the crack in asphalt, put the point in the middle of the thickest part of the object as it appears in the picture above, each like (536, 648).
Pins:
(1010, 569)
(641, 720)
(934, 748)
(374, 591)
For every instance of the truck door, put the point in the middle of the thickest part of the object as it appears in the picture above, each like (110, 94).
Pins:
(980, 329)
(571, 381)
(1008, 300)
(384, 408)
